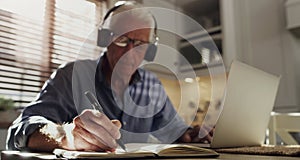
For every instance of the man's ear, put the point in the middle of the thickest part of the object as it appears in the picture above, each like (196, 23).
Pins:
(105, 37)
(151, 52)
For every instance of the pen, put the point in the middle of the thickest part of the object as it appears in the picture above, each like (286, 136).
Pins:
(97, 106)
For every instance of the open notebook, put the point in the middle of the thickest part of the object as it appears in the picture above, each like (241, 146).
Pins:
(140, 150)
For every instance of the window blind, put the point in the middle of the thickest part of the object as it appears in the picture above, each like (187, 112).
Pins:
(33, 43)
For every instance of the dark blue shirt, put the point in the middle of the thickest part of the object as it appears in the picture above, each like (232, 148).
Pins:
(144, 110)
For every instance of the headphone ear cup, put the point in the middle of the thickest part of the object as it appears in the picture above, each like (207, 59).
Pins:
(105, 37)
(151, 52)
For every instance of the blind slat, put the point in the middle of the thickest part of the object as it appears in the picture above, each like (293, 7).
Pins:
(24, 66)
(30, 49)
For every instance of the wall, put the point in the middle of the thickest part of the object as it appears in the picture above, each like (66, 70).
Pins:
(256, 34)
(262, 40)
(291, 44)
(186, 97)
(296, 48)
(185, 103)
(172, 88)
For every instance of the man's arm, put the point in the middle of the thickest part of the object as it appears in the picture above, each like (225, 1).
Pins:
(90, 131)
(54, 104)
(38, 141)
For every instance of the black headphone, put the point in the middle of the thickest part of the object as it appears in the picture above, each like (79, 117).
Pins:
(105, 36)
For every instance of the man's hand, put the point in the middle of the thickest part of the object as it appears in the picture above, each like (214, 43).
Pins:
(191, 135)
(92, 131)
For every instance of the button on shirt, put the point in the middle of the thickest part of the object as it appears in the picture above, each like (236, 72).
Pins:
(144, 110)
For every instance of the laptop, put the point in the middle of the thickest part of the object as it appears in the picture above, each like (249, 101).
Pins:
(249, 99)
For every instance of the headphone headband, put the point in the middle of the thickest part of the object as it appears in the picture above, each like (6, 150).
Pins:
(110, 11)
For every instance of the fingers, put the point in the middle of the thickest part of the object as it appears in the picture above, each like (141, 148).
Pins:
(209, 129)
(208, 132)
(195, 131)
(95, 131)
(206, 139)
(195, 134)
(82, 143)
(211, 132)
(103, 121)
(192, 135)
(186, 137)
(117, 123)
(91, 138)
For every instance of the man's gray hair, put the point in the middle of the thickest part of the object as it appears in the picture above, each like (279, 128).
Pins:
(135, 11)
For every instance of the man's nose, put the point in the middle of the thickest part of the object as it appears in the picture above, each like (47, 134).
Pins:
(130, 46)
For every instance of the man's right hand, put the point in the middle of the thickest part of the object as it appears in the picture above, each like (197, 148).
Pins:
(92, 131)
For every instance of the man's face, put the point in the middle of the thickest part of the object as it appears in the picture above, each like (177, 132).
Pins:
(124, 60)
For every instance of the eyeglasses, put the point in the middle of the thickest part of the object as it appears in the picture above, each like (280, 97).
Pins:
(123, 41)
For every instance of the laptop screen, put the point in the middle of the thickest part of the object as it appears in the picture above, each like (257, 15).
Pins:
(245, 109)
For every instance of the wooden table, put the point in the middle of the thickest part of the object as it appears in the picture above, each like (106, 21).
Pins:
(13, 155)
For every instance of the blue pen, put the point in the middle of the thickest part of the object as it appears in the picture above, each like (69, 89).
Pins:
(96, 106)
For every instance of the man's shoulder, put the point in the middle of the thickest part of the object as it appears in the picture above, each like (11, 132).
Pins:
(73, 64)
(79, 66)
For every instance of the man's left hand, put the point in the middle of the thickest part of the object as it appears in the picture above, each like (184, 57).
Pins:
(191, 135)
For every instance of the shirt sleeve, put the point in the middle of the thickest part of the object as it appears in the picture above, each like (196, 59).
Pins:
(53, 104)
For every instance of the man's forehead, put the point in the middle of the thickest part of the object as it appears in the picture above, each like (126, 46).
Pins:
(130, 25)
(131, 20)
